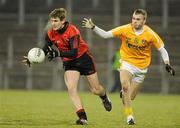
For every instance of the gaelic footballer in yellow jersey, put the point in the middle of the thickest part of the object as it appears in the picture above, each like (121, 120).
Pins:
(137, 39)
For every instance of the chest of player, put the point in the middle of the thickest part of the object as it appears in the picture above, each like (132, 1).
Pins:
(137, 41)
(61, 40)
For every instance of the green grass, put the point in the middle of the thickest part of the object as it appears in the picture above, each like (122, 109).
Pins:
(48, 109)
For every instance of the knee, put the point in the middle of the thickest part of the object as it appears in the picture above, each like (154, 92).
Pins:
(72, 89)
(125, 89)
(125, 86)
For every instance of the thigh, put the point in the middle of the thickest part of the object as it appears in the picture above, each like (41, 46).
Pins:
(125, 77)
(71, 79)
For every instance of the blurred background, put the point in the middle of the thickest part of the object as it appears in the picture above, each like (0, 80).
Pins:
(22, 24)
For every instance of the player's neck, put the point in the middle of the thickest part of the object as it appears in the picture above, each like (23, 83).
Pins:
(138, 31)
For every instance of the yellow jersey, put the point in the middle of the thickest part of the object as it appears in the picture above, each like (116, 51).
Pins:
(136, 49)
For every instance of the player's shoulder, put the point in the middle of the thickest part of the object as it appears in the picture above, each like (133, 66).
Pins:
(73, 28)
(148, 29)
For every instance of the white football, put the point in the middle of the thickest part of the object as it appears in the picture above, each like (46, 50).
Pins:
(36, 55)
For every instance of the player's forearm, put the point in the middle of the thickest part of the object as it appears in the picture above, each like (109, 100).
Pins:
(73, 43)
(45, 47)
(164, 55)
(102, 33)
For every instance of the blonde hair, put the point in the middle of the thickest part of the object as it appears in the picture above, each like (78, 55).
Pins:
(141, 11)
(61, 13)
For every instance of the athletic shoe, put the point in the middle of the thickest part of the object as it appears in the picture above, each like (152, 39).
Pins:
(81, 122)
(107, 104)
(130, 120)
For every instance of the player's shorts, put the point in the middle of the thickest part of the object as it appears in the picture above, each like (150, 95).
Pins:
(84, 64)
(138, 74)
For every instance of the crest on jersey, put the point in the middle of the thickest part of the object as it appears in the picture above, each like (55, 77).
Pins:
(136, 40)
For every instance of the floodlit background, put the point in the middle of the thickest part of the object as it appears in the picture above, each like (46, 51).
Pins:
(22, 24)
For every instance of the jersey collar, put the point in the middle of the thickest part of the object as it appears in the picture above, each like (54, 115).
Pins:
(62, 30)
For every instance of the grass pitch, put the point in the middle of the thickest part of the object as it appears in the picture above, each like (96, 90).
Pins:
(48, 109)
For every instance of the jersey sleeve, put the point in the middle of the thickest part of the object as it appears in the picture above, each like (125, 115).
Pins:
(74, 44)
(156, 40)
(74, 37)
(47, 44)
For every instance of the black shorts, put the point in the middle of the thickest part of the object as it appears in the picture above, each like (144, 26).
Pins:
(84, 64)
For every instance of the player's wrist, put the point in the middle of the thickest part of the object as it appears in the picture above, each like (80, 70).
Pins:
(93, 26)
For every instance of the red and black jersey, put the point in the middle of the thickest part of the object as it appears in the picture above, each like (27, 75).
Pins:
(68, 40)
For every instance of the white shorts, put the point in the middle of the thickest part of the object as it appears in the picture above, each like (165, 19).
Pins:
(138, 74)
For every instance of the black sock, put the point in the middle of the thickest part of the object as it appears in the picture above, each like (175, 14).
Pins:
(81, 114)
(103, 97)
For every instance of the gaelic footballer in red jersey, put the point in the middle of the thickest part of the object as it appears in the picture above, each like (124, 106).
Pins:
(76, 58)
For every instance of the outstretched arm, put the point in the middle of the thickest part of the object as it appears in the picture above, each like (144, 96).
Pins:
(87, 23)
(165, 56)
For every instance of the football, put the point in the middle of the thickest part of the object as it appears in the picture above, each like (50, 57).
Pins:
(36, 55)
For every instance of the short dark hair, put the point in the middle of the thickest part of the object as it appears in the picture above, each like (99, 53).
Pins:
(141, 11)
(58, 12)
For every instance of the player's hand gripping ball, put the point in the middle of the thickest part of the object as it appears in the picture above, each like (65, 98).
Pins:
(36, 55)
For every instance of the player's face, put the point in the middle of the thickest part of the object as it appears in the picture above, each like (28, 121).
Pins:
(57, 23)
(138, 21)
